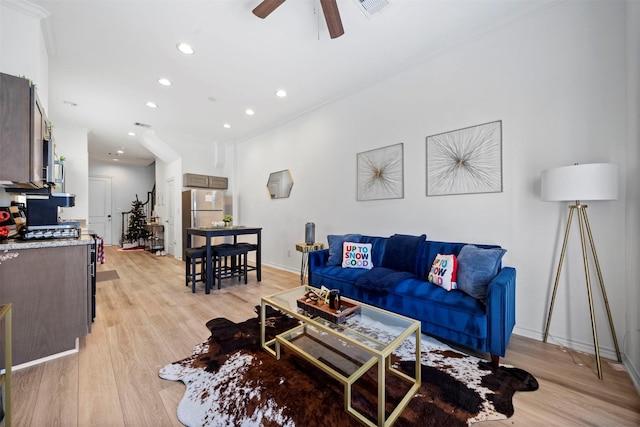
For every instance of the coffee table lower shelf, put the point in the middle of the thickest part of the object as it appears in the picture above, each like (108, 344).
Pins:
(346, 361)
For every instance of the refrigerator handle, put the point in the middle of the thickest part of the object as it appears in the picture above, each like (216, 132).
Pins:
(193, 218)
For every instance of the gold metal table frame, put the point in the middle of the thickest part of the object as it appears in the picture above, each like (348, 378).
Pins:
(317, 334)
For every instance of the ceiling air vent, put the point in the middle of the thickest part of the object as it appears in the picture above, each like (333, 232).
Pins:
(369, 7)
(142, 125)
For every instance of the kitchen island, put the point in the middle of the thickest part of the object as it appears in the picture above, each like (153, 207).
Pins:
(48, 282)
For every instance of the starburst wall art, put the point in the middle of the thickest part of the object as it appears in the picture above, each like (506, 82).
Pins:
(465, 161)
(381, 173)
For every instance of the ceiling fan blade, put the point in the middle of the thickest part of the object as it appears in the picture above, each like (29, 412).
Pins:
(266, 7)
(332, 16)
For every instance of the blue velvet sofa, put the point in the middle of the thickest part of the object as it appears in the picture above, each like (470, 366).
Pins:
(481, 318)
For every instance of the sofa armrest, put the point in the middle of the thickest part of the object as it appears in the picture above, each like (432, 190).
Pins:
(501, 310)
(317, 259)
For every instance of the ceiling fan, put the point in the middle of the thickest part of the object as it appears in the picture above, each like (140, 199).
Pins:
(329, 8)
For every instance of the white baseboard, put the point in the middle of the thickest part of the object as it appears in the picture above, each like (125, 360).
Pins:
(46, 359)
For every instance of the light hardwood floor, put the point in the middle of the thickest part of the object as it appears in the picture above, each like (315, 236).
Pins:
(148, 318)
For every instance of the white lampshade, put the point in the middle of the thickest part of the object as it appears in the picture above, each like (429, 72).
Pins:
(594, 181)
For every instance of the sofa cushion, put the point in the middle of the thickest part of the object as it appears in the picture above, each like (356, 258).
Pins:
(336, 277)
(401, 252)
(335, 246)
(443, 271)
(476, 268)
(381, 280)
(357, 255)
(455, 311)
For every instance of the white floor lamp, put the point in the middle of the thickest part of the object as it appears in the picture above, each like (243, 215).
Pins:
(595, 181)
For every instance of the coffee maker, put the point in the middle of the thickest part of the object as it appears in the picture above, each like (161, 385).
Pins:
(42, 217)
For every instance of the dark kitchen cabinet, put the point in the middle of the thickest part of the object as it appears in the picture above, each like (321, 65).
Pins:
(22, 130)
(50, 292)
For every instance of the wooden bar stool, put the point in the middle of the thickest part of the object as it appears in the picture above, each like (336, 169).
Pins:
(238, 256)
(195, 257)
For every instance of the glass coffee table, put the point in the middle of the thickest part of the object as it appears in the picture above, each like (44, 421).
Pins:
(347, 351)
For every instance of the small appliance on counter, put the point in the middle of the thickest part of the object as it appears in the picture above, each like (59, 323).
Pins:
(42, 217)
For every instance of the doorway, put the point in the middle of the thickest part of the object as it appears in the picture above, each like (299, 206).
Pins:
(100, 219)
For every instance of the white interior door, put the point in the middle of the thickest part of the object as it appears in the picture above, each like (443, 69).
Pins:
(100, 207)
(170, 221)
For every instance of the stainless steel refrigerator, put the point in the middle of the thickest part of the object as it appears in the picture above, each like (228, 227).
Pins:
(201, 208)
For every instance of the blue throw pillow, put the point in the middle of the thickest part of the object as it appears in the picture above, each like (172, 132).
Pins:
(335, 246)
(401, 252)
(476, 268)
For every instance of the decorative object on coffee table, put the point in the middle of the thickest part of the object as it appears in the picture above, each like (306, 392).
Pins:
(465, 161)
(319, 308)
(381, 173)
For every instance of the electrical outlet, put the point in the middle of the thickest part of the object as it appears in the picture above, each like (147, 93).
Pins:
(289, 253)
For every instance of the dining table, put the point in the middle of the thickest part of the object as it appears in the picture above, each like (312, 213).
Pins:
(209, 232)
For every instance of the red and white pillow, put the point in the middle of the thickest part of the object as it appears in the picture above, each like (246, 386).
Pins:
(443, 271)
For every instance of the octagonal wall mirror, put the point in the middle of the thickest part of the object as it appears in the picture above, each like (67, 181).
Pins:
(279, 184)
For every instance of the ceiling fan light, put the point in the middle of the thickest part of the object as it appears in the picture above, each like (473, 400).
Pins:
(281, 93)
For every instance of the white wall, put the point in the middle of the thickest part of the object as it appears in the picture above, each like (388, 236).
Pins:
(73, 145)
(22, 47)
(630, 338)
(126, 183)
(557, 80)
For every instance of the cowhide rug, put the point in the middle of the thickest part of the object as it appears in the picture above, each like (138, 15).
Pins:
(231, 381)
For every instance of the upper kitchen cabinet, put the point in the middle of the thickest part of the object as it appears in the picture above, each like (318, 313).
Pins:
(205, 181)
(22, 130)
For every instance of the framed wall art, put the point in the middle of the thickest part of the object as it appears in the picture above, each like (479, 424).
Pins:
(381, 173)
(465, 161)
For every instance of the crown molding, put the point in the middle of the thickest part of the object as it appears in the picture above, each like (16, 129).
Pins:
(27, 8)
(34, 11)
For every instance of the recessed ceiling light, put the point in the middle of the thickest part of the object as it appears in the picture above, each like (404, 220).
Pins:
(120, 151)
(281, 93)
(116, 160)
(70, 103)
(164, 82)
(152, 104)
(249, 112)
(185, 48)
(131, 134)
(226, 126)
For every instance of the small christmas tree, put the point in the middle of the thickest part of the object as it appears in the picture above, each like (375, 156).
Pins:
(137, 219)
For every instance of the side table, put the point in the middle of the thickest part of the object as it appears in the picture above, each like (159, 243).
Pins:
(155, 239)
(305, 249)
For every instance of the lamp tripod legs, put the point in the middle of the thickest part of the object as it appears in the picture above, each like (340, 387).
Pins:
(555, 286)
(604, 292)
(583, 223)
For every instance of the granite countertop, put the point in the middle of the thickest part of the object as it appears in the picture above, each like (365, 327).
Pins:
(12, 244)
